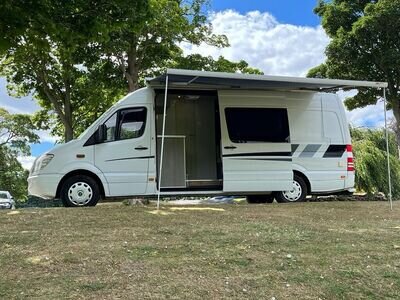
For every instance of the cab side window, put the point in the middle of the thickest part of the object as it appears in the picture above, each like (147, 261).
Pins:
(126, 124)
(132, 123)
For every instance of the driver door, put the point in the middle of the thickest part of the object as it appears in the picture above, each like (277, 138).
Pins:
(124, 156)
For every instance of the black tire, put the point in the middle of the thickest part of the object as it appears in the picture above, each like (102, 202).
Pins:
(255, 199)
(81, 188)
(297, 195)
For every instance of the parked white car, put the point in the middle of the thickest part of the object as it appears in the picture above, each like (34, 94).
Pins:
(6, 200)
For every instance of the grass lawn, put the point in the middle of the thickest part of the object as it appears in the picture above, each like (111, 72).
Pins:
(345, 250)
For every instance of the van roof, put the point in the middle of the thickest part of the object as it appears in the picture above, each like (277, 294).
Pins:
(189, 79)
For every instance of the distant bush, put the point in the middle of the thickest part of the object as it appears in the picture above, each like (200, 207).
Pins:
(369, 148)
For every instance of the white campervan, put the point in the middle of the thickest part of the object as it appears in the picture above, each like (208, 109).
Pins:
(205, 133)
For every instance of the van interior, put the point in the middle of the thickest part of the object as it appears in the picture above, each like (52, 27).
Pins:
(192, 159)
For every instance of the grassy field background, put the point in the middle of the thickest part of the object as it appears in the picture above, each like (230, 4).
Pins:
(345, 250)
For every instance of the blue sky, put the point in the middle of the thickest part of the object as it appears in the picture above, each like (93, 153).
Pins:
(280, 37)
(296, 12)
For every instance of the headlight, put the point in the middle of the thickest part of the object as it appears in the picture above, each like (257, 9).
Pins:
(41, 162)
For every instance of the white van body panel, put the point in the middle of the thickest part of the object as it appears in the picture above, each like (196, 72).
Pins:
(316, 122)
(65, 161)
(245, 166)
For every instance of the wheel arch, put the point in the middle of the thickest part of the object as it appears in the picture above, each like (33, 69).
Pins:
(80, 172)
(306, 180)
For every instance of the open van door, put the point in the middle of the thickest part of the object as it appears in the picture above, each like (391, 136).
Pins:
(256, 149)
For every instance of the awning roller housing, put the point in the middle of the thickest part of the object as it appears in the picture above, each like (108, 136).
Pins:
(188, 79)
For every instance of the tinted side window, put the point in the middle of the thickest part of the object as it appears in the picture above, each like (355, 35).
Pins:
(257, 125)
(132, 123)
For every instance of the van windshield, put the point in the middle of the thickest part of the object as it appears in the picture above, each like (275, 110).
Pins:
(3, 196)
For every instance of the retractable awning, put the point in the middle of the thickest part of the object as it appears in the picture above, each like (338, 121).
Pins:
(188, 79)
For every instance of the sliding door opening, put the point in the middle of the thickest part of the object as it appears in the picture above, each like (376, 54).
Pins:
(192, 142)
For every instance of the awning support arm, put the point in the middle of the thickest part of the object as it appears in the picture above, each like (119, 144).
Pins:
(162, 142)
(387, 150)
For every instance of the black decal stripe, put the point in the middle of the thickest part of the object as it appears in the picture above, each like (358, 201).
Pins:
(335, 151)
(259, 154)
(294, 147)
(127, 158)
(267, 159)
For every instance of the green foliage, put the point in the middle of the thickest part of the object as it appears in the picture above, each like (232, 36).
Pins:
(364, 45)
(139, 49)
(369, 147)
(16, 133)
(13, 177)
(49, 51)
(207, 63)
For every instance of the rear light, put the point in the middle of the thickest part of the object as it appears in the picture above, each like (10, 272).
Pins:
(350, 164)
(350, 159)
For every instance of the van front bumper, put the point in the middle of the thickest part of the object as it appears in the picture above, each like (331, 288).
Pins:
(43, 185)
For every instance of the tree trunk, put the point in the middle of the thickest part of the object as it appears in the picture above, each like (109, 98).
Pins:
(68, 132)
(396, 126)
(132, 72)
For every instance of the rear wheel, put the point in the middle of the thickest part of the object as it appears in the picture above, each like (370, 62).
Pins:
(297, 194)
(253, 199)
(80, 190)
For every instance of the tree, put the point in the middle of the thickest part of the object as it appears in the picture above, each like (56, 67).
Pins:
(364, 45)
(16, 133)
(369, 148)
(207, 63)
(47, 52)
(138, 50)
(13, 177)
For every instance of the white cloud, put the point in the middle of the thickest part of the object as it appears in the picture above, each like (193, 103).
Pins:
(26, 161)
(24, 105)
(45, 136)
(258, 38)
(371, 116)
(278, 49)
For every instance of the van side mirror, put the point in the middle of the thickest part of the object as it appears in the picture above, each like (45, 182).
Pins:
(101, 134)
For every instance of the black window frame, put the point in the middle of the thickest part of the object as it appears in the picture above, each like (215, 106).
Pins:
(286, 130)
(118, 129)
(92, 140)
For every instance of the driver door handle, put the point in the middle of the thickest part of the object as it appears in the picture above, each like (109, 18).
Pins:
(230, 147)
(141, 148)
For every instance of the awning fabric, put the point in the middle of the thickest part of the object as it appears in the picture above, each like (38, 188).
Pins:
(188, 79)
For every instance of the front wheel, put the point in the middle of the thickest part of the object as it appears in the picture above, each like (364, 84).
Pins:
(297, 194)
(80, 190)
